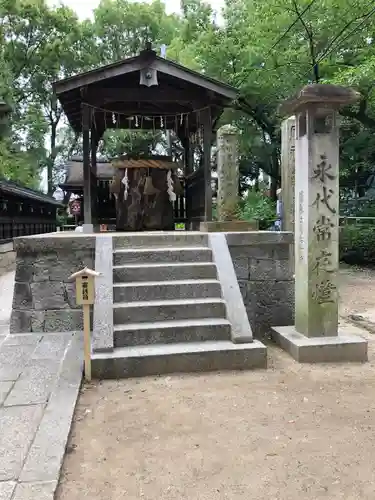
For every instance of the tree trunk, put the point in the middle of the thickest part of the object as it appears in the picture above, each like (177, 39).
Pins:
(51, 159)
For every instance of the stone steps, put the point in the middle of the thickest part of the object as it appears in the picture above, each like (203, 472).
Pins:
(160, 239)
(164, 271)
(158, 359)
(166, 290)
(163, 254)
(171, 331)
(176, 309)
(168, 311)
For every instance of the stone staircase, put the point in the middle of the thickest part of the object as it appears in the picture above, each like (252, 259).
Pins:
(168, 311)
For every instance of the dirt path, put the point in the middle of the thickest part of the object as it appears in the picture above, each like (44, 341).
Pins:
(289, 433)
(357, 290)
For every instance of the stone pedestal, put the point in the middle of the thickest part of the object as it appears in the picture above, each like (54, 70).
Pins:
(317, 228)
(227, 172)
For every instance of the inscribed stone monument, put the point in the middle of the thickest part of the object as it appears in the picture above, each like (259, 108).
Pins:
(228, 173)
(317, 229)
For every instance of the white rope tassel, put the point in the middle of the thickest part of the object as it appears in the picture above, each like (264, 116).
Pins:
(171, 193)
(125, 181)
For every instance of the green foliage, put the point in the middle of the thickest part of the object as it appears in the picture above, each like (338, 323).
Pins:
(120, 142)
(256, 206)
(357, 244)
(18, 165)
(40, 44)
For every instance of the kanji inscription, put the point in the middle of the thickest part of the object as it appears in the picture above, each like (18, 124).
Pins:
(85, 290)
(323, 262)
(323, 228)
(324, 290)
(323, 199)
(322, 170)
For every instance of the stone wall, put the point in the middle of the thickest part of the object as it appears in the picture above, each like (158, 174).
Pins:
(44, 299)
(265, 276)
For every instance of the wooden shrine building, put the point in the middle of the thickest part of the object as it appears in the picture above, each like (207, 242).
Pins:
(24, 211)
(152, 93)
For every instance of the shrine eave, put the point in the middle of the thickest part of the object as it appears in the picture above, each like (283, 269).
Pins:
(117, 88)
(12, 188)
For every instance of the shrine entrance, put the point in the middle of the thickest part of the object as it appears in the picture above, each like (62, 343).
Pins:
(146, 92)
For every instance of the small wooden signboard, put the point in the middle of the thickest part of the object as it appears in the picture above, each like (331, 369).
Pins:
(85, 297)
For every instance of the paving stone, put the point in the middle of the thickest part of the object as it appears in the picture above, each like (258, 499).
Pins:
(35, 383)
(63, 320)
(22, 296)
(6, 489)
(13, 360)
(70, 292)
(262, 269)
(49, 295)
(22, 339)
(47, 451)
(37, 321)
(281, 252)
(20, 321)
(5, 387)
(24, 268)
(35, 491)
(52, 346)
(241, 266)
(18, 425)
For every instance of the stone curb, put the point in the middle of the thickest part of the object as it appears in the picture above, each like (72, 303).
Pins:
(236, 311)
(102, 338)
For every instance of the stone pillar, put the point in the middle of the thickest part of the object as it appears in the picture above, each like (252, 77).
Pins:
(288, 136)
(317, 228)
(228, 173)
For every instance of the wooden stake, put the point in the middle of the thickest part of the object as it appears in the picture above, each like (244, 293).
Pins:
(85, 297)
(87, 341)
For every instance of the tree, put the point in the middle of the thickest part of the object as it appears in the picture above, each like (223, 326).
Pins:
(41, 44)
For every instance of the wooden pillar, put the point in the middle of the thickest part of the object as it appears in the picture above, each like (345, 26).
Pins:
(188, 156)
(207, 139)
(94, 179)
(87, 205)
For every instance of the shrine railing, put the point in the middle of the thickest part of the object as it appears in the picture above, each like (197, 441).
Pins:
(344, 221)
(10, 229)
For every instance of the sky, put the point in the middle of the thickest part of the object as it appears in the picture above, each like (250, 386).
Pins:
(84, 8)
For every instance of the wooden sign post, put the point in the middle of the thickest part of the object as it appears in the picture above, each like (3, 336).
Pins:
(85, 297)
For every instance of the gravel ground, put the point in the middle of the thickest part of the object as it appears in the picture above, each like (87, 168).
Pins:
(289, 433)
(357, 290)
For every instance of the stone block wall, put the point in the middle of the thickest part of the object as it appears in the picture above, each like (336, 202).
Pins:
(265, 276)
(44, 299)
